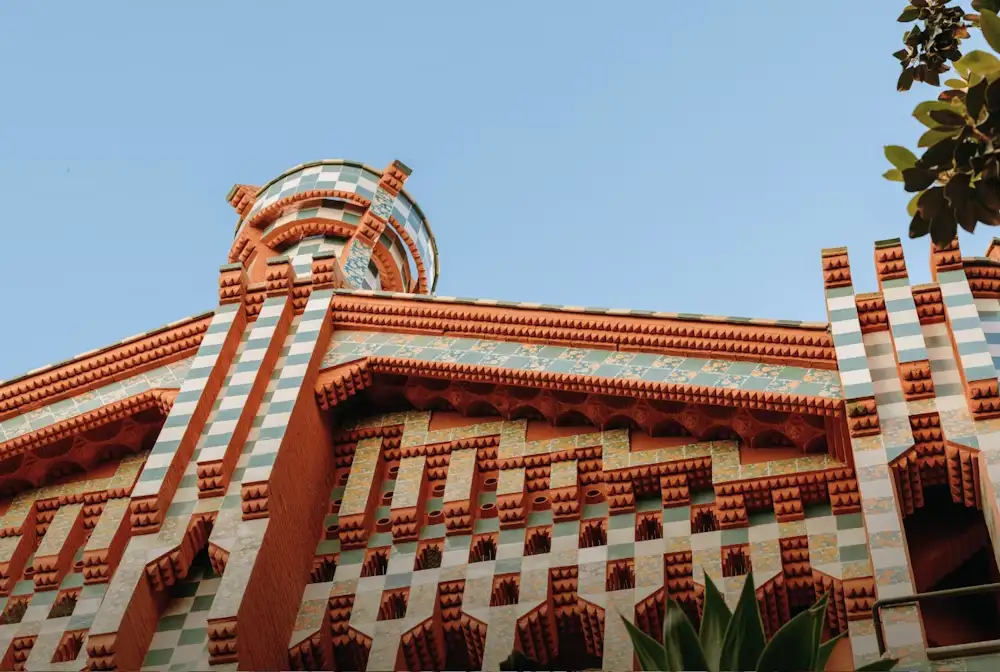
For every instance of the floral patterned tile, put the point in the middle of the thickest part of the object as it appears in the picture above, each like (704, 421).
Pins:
(594, 362)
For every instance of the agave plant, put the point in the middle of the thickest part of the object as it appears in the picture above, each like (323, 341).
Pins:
(734, 640)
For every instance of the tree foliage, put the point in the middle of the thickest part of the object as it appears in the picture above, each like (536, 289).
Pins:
(956, 180)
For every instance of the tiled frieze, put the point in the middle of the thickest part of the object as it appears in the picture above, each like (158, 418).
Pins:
(169, 376)
(352, 345)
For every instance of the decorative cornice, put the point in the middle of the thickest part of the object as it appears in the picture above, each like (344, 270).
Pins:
(836, 268)
(871, 312)
(946, 258)
(321, 226)
(929, 302)
(889, 261)
(266, 213)
(161, 399)
(984, 277)
(336, 384)
(103, 367)
(305, 228)
(242, 197)
(790, 346)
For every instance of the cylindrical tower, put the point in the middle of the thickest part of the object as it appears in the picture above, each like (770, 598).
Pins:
(337, 209)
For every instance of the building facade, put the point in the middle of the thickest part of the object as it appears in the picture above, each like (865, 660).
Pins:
(337, 469)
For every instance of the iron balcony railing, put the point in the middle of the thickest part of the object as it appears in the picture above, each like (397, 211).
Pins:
(938, 652)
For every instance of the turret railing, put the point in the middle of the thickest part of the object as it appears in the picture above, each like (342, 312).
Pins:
(938, 652)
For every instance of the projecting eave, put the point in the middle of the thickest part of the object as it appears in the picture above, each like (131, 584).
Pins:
(786, 343)
(97, 368)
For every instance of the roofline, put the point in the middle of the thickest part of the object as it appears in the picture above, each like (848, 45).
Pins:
(128, 357)
(584, 310)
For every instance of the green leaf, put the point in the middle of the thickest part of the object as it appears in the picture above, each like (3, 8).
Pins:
(905, 80)
(794, 646)
(930, 203)
(911, 207)
(979, 62)
(934, 136)
(976, 98)
(820, 608)
(651, 654)
(947, 117)
(941, 154)
(715, 619)
(680, 640)
(824, 652)
(894, 174)
(900, 157)
(879, 665)
(919, 227)
(922, 112)
(956, 83)
(990, 23)
(918, 179)
(744, 639)
(944, 227)
(909, 14)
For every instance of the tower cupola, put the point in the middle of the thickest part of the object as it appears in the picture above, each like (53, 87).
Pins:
(342, 210)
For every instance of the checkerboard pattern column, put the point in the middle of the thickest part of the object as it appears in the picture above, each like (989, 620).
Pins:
(975, 363)
(234, 412)
(904, 324)
(176, 442)
(872, 453)
(989, 316)
(284, 471)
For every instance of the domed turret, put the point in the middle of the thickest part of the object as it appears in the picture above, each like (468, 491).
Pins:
(338, 209)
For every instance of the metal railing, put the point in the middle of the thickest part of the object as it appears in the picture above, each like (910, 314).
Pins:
(938, 652)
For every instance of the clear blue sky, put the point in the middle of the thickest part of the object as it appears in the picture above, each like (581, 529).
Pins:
(690, 157)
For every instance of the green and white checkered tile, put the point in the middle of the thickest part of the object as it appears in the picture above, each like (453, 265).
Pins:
(243, 372)
(181, 638)
(187, 400)
(893, 409)
(351, 178)
(903, 320)
(338, 211)
(406, 212)
(989, 316)
(950, 402)
(845, 328)
(276, 407)
(944, 369)
(270, 423)
(967, 330)
(301, 252)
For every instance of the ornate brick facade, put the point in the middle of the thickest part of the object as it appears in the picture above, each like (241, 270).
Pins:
(337, 469)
